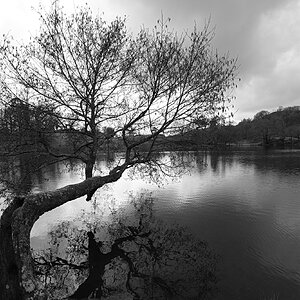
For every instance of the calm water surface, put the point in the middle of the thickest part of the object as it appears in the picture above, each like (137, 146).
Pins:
(245, 204)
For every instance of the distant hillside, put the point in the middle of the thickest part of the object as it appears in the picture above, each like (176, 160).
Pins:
(280, 128)
(268, 127)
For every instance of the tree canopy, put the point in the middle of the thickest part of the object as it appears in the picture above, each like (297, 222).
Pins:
(94, 75)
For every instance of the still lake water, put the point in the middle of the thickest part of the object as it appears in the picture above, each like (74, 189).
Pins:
(245, 204)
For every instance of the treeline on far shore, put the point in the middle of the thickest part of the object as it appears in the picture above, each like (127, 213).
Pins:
(25, 129)
(276, 129)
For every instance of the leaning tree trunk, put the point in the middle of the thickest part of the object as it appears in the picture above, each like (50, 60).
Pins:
(17, 280)
(89, 167)
(10, 287)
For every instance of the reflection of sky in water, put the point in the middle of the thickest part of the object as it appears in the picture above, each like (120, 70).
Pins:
(246, 205)
(114, 192)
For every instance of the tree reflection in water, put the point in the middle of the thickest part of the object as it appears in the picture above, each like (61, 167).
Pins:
(132, 256)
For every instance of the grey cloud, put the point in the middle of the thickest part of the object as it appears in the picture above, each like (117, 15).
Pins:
(236, 21)
(248, 29)
(251, 30)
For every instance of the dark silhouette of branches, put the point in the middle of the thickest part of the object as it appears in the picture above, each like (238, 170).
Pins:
(143, 257)
(89, 75)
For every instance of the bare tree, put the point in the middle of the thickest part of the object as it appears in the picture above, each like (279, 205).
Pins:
(95, 75)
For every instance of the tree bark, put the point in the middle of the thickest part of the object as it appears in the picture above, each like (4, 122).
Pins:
(89, 173)
(17, 269)
(10, 287)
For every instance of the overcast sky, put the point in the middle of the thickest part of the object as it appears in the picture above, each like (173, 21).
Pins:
(263, 34)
